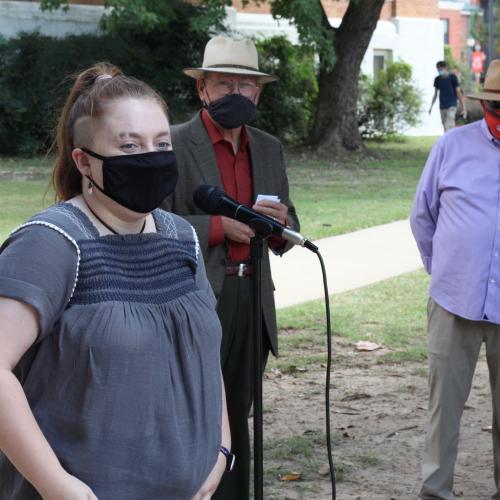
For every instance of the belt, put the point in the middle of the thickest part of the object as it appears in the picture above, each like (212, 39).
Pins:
(241, 270)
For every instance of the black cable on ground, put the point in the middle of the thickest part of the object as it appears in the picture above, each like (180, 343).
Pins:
(327, 381)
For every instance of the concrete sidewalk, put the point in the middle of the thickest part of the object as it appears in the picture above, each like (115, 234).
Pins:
(352, 260)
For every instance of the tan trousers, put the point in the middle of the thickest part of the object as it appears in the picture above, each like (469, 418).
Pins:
(448, 117)
(454, 345)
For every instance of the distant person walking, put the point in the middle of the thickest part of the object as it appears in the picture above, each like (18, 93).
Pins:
(448, 87)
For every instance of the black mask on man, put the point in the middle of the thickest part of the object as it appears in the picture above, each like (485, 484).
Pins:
(232, 110)
(139, 182)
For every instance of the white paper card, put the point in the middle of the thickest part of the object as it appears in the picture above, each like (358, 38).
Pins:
(270, 197)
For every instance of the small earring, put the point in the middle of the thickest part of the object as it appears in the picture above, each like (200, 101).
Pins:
(89, 187)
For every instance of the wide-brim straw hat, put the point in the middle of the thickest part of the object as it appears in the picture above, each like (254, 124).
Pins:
(236, 57)
(491, 87)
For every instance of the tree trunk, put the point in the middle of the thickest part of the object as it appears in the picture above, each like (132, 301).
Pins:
(335, 127)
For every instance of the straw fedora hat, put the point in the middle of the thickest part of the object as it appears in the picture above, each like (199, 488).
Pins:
(225, 55)
(491, 88)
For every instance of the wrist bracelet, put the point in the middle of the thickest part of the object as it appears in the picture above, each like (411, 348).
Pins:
(230, 458)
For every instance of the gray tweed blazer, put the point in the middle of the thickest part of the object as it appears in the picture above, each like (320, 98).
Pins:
(197, 165)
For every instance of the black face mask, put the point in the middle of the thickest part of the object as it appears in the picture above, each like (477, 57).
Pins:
(139, 182)
(232, 110)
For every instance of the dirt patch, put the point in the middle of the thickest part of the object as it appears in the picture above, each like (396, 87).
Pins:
(378, 415)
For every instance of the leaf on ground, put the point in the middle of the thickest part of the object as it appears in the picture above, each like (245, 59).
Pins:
(324, 470)
(292, 476)
(395, 433)
(367, 346)
(274, 373)
(291, 369)
(355, 396)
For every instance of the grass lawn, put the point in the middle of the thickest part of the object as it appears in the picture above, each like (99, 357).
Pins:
(330, 197)
(23, 190)
(339, 197)
(19, 200)
(391, 313)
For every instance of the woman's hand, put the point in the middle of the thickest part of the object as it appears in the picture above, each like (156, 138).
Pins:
(210, 485)
(69, 488)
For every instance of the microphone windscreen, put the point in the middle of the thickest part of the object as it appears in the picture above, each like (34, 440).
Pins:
(207, 198)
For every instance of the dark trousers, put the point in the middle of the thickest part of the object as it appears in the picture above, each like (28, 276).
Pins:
(235, 309)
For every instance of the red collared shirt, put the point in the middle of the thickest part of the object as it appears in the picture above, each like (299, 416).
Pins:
(236, 175)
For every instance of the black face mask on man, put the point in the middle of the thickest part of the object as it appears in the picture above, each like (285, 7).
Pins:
(139, 182)
(232, 110)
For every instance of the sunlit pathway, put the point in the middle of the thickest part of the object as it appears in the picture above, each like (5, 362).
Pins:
(352, 260)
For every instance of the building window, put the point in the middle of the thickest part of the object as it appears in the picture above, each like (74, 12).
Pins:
(380, 59)
(446, 30)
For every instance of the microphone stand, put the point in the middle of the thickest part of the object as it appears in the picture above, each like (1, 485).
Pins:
(262, 230)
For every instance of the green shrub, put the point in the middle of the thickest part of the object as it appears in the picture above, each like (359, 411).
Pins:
(34, 72)
(32, 90)
(34, 83)
(389, 104)
(286, 107)
(462, 71)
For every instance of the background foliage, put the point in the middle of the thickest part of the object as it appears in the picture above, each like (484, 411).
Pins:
(287, 106)
(389, 104)
(35, 78)
(36, 70)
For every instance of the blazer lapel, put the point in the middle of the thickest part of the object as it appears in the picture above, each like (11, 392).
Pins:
(259, 175)
(203, 152)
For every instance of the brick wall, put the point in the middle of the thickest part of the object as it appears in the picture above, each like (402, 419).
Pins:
(80, 2)
(337, 8)
(457, 30)
(251, 8)
(420, 8)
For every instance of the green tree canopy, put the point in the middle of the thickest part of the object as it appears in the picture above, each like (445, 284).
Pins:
(340, 50)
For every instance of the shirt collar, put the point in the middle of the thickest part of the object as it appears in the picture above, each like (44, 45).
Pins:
(488, 134)
(215, 134)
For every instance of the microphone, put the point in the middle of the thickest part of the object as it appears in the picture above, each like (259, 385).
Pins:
(214, 201)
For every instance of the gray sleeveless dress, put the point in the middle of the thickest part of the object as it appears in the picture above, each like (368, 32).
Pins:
(124, 379)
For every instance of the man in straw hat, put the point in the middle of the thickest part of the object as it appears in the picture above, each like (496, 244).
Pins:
(456, 223)
(217, 147)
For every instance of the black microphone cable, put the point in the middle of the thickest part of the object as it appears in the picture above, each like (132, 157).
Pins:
(214, 201)
(327, 379)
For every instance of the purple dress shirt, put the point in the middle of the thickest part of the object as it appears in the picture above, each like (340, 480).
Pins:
(456, 222)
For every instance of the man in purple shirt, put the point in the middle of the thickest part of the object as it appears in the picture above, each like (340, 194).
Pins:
(456, 222)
